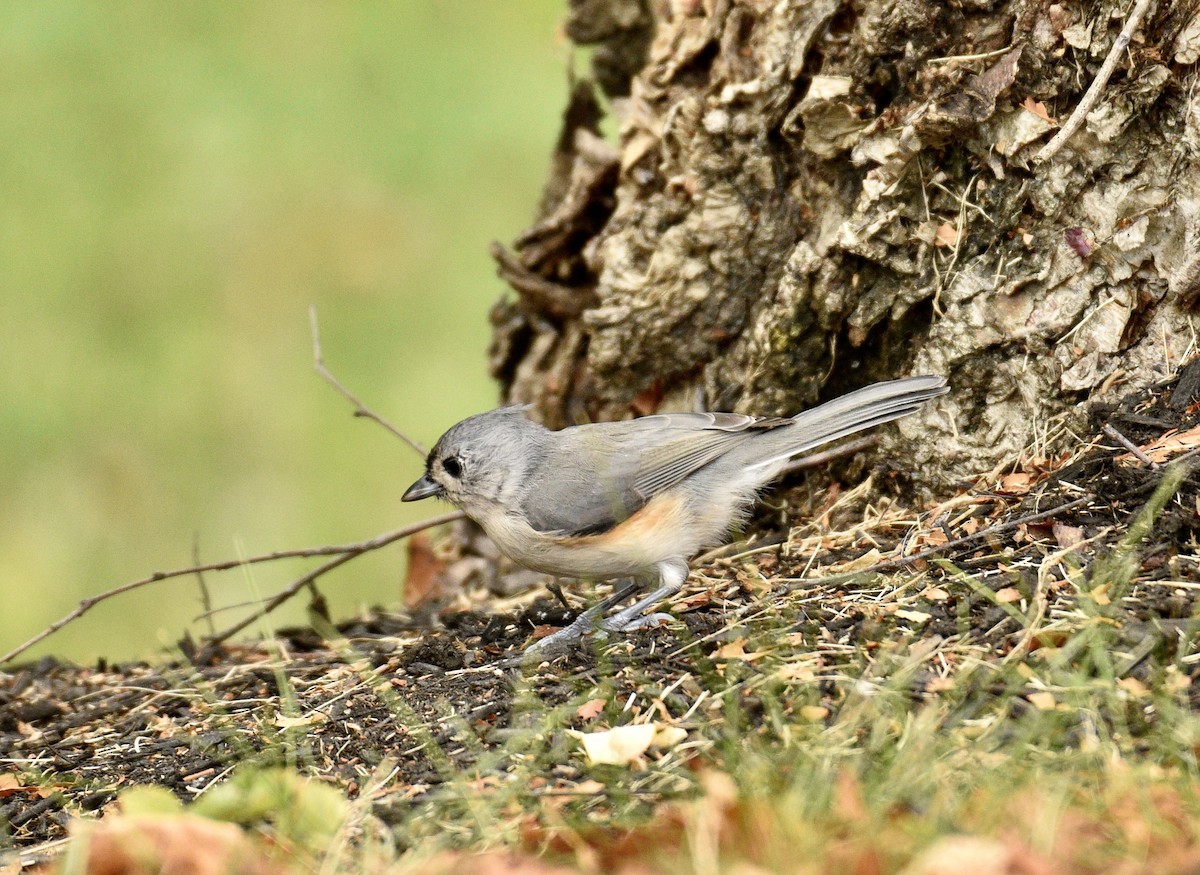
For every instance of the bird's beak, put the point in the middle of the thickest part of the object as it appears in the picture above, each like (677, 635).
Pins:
(423, 488)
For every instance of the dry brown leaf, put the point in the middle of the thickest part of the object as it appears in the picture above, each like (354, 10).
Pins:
(796, 672)
(422, 583)
(590, 709)
(1134, 687)
(866, 560)
(1170, 444)
(848, 802)
(956, 854)
(946, 235)
(939, 684)
(1043, 700)
(1067, 536)
(737, 650)
(696, 600)
(491, 863)
(184, 843)
(1017, 483)
(312, 718)
(1037, 108)
(933, 538)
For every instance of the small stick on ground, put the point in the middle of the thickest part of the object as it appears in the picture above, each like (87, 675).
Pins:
(360, 409)
(343, 552)
(901, 561)
(1131, 446)
(1097, 87)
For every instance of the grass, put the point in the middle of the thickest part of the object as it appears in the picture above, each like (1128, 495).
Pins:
(791, 751)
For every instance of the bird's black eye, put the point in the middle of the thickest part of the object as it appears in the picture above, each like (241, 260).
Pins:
(453, 467)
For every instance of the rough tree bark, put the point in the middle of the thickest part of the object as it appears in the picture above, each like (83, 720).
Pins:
(808, 195)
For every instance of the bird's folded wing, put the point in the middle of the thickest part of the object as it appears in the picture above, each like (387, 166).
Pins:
(599, 475)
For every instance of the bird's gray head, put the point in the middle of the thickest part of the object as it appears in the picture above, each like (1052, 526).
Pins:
(481, 461)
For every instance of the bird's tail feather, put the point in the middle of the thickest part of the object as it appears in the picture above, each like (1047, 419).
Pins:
(865, 408)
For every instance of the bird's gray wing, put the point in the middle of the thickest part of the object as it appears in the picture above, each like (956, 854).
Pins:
(595, 476)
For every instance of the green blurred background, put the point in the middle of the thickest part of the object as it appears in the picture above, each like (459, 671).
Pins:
(178, 182)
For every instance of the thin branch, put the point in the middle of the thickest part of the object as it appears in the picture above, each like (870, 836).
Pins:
(901, 561)
(343, 552)
(360, 409)
(1097, 87)
(205, 596)
(1130, 445)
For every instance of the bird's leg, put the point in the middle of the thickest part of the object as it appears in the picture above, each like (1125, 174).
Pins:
(582, 624)
(671, 575)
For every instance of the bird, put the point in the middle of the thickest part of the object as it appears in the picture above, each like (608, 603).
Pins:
(636, 498)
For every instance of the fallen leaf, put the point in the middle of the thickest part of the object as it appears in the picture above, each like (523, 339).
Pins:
(946, 235)
(866, 560)
(313, 718)
(935, 594)
(1170, 444)
(1134, 687)
(814, 713)
(423, 581)
(955, 854)
(939, 684)
(933, 538)
(666, 737)
(1067, 536)
(914, 616)
(619, 746)
(1017, 483)
(590, 709)
(1043, 700)
(490, 863)
(1037, 108)
(796, 672)
(180, 843)
(1008, 594)
(736, 650)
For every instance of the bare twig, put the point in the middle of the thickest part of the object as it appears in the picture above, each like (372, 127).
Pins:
(984, 56)
(901, 561)
(360, 409)
(343, 552)
(1131, 446)
(1097, 87)
(205, 596)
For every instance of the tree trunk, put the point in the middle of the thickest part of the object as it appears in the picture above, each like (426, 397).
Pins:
(810, 195)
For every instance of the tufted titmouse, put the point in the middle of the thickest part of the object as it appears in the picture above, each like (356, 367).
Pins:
(637, 498)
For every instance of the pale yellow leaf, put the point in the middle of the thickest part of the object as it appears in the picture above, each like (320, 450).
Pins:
(619, 746)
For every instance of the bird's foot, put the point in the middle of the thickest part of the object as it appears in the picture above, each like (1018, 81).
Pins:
(618, 622)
